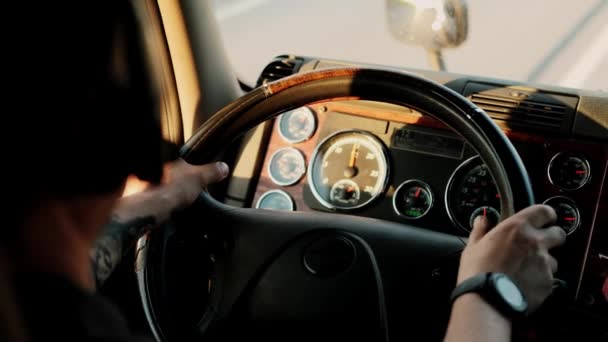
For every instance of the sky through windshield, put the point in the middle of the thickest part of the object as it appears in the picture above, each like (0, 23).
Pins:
(558, 42)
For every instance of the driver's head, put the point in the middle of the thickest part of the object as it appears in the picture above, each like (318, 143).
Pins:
(83, 108)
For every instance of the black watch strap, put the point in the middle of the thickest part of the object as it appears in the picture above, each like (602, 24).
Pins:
(485, 284)
(472, 284)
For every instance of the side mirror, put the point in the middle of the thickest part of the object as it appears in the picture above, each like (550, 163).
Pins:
(432, 24)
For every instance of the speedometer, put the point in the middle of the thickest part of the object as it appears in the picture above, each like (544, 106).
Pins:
(471, 192)
(349, 169)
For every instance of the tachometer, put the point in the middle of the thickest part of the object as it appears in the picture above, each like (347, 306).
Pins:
(349, 169)
(471, 192)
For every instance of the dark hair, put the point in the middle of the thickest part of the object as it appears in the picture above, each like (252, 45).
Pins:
(85, 112)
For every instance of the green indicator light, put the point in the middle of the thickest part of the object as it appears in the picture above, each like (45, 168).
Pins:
(413, 213)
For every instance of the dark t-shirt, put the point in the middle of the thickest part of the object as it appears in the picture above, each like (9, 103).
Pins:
(54, 309)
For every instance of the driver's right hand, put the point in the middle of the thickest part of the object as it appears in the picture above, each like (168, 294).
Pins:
(519, 247)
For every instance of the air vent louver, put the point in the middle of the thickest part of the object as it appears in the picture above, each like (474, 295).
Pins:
(280, 67)
(524, 109)
(524, 113)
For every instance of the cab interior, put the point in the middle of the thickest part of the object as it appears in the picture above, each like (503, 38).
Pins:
(371, 178)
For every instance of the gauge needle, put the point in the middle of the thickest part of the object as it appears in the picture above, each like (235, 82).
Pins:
(417, 194)
(351, 171)
(485, 212)
(353, 156)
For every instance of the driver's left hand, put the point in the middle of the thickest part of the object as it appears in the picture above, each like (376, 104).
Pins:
(185, 181)
(182, 183)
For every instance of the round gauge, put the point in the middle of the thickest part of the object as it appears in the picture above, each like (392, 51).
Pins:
(413, 199)
(568, 216)
(345, 192)
(275, 200)
(491, 214)
(297, 125)
(287, 166)
(569, 172)
(470, 188)
(349, 169)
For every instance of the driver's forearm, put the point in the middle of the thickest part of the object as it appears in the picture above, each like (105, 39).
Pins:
(156, 203)
(132, 216)
(473, 319)
(117, 238)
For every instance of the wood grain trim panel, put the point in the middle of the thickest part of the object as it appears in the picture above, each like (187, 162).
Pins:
(297, 79)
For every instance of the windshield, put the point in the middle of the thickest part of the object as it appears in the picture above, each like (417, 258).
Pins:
(555, 42)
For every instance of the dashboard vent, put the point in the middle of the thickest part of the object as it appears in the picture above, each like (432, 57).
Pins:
(278, 68)
(514, 108)
(524, 112)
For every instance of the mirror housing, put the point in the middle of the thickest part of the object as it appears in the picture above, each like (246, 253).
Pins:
(432, 24)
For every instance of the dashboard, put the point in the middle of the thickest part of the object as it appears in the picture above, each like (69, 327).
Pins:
(395, 163)
(389, 162)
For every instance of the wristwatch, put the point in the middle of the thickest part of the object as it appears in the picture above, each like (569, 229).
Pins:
(498, 290)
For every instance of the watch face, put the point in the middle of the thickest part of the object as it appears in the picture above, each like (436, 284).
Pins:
(510, 292)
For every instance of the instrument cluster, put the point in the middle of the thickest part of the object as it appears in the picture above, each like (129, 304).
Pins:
(350, 170)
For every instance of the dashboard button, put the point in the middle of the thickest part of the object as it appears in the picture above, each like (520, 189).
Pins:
(329, 256)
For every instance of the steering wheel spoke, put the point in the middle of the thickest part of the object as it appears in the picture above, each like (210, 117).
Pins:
(262, 244)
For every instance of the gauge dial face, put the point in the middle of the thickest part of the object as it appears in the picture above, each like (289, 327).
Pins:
(275, 200)
(297, 125)
(569, 172)
(568, 216)
(287, 166)
(345, 192)
(348, 170)
(470, 187)
(413, 199)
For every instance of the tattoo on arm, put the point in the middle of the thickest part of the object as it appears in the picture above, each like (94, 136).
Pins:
(114, 243)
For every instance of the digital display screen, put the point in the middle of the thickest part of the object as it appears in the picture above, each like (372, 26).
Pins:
(430, 141)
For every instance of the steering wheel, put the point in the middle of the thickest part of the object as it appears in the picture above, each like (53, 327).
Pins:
(295, 275)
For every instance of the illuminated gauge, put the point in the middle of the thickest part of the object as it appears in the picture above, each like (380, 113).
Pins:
(491, 214)
(569, 172)
(276, 200)
(568, 216)
(297, 125)
(470, 188)
(287, 166)
(413, 199)
(349, 169)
